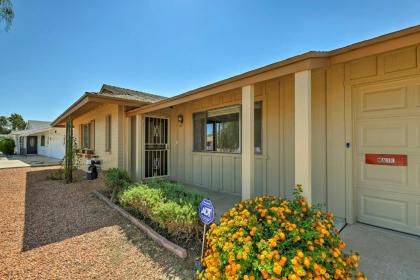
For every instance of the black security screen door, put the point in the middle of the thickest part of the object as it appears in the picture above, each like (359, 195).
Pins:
(156, 147)
(32, 144)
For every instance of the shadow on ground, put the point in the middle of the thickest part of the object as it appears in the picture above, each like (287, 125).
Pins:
(55, 211)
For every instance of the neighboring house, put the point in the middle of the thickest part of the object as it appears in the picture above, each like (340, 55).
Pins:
(344, 123)
(99, 122)
(39, 138)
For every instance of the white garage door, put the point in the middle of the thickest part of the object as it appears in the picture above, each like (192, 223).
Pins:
(387, 154)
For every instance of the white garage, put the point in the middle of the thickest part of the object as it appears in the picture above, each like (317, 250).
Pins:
(386, 161)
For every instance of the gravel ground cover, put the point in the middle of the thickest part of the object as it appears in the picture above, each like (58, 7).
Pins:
(50, 230)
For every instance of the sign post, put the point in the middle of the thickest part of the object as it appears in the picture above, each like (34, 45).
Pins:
(206, 213)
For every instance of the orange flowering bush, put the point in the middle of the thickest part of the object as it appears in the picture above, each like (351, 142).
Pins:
(274, 238)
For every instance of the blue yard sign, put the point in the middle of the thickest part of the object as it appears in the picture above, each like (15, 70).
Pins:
(206, 211)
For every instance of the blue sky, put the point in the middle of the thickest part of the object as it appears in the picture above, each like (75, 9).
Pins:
(57, 50)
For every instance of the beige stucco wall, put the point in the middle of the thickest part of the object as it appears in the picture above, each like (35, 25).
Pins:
(114, 158)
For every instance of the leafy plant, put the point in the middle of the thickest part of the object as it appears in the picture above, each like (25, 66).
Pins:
(16, 121)
(117, 180)
(6, 13)
(167, 204)
(274, 238)
(7, 146)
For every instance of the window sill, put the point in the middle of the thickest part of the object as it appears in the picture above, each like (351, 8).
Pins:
(257, 155)
(216, 152)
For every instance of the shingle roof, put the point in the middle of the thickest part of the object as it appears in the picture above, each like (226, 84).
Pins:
(33, 124)
(129, 94)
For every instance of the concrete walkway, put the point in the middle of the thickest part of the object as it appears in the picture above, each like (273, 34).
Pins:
(222, 202)
(385, 254)
(27, 161)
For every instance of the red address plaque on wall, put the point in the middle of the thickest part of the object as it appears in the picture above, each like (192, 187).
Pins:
(386, 159)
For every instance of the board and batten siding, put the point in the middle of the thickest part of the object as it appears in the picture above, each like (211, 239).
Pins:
(332, 128)
(274, 169)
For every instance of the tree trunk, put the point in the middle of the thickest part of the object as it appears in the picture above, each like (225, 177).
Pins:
(68, 160)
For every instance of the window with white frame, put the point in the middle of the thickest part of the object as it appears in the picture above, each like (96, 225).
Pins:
(42, 140)
(87, 135)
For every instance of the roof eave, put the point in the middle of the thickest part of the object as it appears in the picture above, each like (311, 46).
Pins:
(306, 61)
(90, 97)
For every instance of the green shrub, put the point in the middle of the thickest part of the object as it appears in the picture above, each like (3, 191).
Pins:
(141, 198)
(117, 180)
(7, 146)
(167, 204)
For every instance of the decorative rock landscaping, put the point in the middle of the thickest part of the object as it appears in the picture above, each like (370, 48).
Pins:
(52, 230)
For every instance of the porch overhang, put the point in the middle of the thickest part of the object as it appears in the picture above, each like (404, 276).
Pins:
(307, 61)
(31, 131)
(88, 102)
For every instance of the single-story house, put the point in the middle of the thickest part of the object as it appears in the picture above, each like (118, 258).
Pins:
(100, 124)
(343, 123)
(39, 138)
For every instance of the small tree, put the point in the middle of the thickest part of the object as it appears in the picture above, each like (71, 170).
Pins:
(16, 121)
(6, 13)
(4, 125)
(68, 159)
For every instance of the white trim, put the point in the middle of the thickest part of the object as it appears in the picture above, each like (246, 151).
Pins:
(303, 141)
(247, 139)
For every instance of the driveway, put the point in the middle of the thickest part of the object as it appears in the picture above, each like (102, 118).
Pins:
(385, 254)
(27, 161)
(50, 230)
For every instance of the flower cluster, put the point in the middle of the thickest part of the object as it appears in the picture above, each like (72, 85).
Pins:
(274, 238)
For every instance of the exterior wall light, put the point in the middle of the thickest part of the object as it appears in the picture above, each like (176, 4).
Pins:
(180, 119)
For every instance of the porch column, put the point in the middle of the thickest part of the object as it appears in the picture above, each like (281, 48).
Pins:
(303, 132)
(247, 141)
(127, 145)
(139, 147)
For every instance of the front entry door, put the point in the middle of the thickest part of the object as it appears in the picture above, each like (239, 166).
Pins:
(31, 145)
(156, 147)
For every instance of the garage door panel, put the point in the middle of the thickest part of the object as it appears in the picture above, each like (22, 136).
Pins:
(416, 183)
(417, 127)
(383, 175)
(417, 95)
(417, 215)
(384, 99)
(387, 209)
(383, 133)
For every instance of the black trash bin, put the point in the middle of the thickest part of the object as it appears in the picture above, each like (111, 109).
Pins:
(92, 172)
